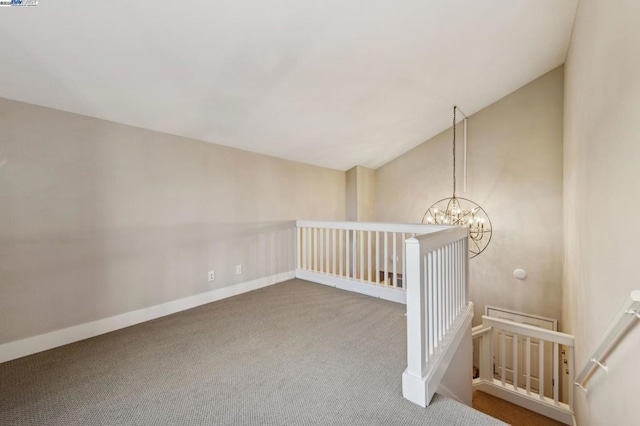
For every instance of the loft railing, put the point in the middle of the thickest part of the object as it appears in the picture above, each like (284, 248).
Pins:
(424, 266)
(526, 349)
(626, 317)
(357, 256)
(438, 309)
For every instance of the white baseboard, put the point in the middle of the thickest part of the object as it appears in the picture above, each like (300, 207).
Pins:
(43, 342)
(370, 289)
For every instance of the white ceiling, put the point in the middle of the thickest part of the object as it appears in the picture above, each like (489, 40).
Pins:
(331, 83)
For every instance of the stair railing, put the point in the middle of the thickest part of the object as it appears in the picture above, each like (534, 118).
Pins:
(522, 392)
(439, 313)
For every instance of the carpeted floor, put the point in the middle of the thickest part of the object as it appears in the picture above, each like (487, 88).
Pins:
(291, 354)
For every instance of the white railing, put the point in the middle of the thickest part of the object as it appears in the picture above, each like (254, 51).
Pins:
(438, 309)
(627, 316)
(528, 345)
(424, 266)
(357, 256)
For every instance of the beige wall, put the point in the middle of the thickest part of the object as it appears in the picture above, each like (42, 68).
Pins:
(100, 219)
(352, 194)
(366, 194)
(361, 194)
(515, 174)
(602, 181)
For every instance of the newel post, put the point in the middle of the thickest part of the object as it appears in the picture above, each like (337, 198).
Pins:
(486, 357)
(412, 380)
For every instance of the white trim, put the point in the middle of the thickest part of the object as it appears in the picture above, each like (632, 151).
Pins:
(408, 228)
(420, 390)
(373, 290)
(496, 309)
(528, 330)
(446, 392)
(43, 342)
(560, 412)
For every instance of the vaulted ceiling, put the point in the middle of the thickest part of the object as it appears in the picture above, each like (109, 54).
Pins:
(331, 83)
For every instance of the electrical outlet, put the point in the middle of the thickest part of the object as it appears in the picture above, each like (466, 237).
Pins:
(238, 269)
(212, 275)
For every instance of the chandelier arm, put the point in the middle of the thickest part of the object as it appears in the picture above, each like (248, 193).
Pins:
(477, 246)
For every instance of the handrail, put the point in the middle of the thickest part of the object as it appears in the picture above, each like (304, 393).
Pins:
(529, 330)
(616, 329)
(409, 228)
(479, 330)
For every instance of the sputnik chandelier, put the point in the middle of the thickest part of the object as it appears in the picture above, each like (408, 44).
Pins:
(461, 211)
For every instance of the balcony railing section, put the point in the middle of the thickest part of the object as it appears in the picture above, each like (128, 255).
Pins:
(424, 266)
(357, 256)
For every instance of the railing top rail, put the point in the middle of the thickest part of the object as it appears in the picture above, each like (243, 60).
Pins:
(441, 237)
(528, 330)
(409, 228)
(480, 330)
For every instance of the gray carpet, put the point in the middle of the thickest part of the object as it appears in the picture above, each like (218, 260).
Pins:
(291, 354)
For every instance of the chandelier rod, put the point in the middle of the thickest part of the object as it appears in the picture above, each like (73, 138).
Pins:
(455, 108)
(461, 112)
(464, 157)
(454, 151)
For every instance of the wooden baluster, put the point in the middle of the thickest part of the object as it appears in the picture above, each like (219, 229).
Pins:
(430, 303)
(541, 368)
(377, 257)
(298, 248)
(515, 361)
(315, 249)
(386, 258)
(527, 363)
(340, 250)
(305, 243)
(503, 354)
(321, 264)
(449, 282)
(361, 259)
(402, 262)
(327, 259)
(369, 257)
(395, 273)
(440, 307)
(347, 252)
(571, 377)
(556, 376)
(354, 255)
(333, 240)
